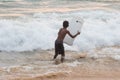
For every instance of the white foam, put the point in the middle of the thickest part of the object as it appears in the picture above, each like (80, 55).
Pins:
(74, 64)
(109, 52)
(24, 68)
(101, 28)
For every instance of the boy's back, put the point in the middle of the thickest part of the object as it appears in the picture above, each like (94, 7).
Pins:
(61, 34)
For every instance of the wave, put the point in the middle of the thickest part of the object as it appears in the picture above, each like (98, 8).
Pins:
(100, 29)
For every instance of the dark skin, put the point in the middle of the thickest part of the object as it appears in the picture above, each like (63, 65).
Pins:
(62, 33)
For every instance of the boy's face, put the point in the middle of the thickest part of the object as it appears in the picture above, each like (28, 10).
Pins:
(68, 25)
(65, 24)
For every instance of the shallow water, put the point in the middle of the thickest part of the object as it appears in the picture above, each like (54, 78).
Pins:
(29, 28)
(18, 65)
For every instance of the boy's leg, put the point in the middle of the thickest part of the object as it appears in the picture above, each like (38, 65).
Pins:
(62, 56)
(56, 54)
(56, 50)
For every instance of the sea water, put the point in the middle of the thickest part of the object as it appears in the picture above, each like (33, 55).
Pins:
(26, 25)
(29, 25)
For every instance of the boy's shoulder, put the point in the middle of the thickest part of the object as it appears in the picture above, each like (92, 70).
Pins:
(60, 29)
(64, 29)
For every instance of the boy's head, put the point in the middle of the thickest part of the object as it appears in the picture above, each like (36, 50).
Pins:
(65, 24)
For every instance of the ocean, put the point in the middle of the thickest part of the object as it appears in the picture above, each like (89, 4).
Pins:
(28, 29)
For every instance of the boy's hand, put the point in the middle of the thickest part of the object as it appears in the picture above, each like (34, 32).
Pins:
(78, 32)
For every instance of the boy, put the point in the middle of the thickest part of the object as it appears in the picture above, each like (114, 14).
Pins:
(59, 48)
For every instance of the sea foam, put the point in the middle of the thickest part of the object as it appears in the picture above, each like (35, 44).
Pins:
(100, 29)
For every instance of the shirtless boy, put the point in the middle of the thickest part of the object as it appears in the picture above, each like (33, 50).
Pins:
(59, 48)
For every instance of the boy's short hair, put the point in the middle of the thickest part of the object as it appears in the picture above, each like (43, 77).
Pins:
(65, 24)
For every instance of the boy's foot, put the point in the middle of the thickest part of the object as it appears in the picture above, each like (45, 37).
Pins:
(62, 59)
(53, 59)
(57, 61)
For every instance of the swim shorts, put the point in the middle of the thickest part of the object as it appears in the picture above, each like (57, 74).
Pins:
(59, 48)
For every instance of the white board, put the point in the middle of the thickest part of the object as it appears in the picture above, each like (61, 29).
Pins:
(75, 25)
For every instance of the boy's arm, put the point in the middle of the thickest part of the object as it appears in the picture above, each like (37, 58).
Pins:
(73, 36)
